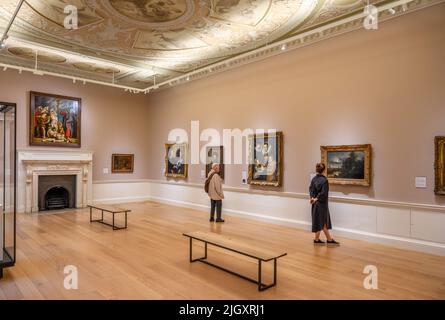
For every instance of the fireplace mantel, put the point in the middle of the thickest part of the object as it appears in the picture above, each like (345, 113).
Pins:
(33, 163)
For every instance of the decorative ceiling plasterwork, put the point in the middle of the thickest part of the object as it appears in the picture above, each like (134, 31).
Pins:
(138, 43)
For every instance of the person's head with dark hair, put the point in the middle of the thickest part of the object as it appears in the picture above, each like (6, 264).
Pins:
(319, 168)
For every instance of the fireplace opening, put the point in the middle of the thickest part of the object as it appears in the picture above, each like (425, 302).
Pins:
(57, 198)
(57, 192)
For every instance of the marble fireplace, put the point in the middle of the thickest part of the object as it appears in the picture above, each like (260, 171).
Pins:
(64, 166)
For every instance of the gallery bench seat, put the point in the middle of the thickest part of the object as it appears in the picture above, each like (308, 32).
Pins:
(110, 209)
(238, 246)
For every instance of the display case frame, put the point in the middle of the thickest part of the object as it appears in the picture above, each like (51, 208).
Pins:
(8, 209)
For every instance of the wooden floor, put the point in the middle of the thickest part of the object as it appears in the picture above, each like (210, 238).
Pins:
(149, 260)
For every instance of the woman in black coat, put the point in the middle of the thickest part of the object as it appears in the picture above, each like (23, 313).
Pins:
(321, 220)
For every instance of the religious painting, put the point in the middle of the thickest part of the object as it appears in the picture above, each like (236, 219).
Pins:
(265, 159)
(215, 155)
(176, 160)
(439, 165)
(54, 120)
(150, 10)
(122, 163)
(347, 165)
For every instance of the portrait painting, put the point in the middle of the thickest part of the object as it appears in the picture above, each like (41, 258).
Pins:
(347, 165)
(55, 120)
(122, 163)
(265, 159)
(215, 155)
(176, 160)
(439, 165)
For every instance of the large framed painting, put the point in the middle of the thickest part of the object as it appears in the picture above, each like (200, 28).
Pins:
(122, 163)
(215, 155)
(266, 159)
(348, 165)
(55, 120)
(439, 165)
(176, 160)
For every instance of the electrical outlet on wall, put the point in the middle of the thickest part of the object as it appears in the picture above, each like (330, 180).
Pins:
(105, 171)
(244, 177)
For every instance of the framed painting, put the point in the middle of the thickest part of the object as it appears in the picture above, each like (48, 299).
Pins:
(265, 159)
(176, 160)
(348, 165)
(215, 155)
(122, 163)
(54, 120)
(439, 165)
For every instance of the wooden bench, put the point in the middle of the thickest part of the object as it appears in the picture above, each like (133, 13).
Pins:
(110, 209)
(238, 246)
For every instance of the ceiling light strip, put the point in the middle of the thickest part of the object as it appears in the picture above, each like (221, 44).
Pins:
(48, 73)
(11, 21)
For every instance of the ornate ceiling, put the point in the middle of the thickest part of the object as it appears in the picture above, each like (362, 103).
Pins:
(134, 43)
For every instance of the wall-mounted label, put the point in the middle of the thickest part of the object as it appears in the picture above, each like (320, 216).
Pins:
(420, 182)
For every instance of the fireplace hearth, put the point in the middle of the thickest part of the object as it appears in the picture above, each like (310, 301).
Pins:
(57, 192)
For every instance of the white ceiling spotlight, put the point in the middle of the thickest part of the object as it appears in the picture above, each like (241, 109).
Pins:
(5, 68)
(391, 11)
(283, 47)
(20, 71)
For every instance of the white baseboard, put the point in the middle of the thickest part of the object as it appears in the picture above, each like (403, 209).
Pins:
(399, 242)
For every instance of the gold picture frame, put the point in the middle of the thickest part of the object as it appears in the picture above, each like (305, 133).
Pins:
(265, 165)
(177, 153)
(439, 165)
(348, 164)
(122, 163)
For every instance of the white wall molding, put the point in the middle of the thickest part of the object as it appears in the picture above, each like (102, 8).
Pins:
(297, 195)
(404, 225)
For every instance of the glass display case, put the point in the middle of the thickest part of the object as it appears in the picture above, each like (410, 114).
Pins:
(8, 178)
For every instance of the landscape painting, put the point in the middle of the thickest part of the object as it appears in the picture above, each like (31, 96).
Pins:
(439, 165)
(265, 159)
(176, 160)
(55, 120)
(122, 163)
(347, 164)
(215, 155)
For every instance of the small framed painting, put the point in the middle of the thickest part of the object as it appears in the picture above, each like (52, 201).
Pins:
(122, 163)
(54, 120)
(439, 165)
(347, 165)
(266, 159)
(176, 160)
(215, 155)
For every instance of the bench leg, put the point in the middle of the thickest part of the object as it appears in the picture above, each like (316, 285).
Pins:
(191, 252)
(1, 273)
(126, 219)
(114, 228)
(91, 214)
(261, 286)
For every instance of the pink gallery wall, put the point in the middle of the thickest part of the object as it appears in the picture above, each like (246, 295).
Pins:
(384, 87)
(113, 121)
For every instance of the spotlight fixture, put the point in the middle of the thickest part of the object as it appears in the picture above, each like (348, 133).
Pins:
(283, 47)
(188, 78)
(404, 7)
(84, 82)
(74, 80)
(2, 45)
(20, 71)
(5, 68)
(392, 11)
